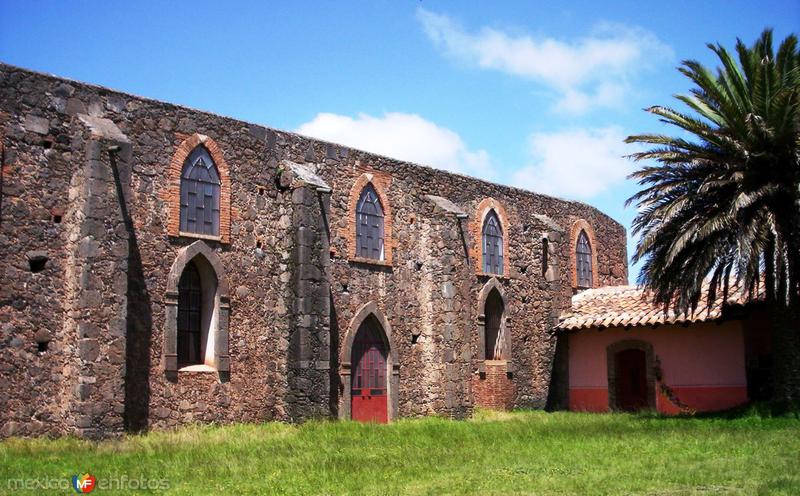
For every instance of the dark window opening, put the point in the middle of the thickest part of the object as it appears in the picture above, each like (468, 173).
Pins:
(200, 194)
(414, 338)
(37, 264)
(493, 312)
(190, 298)
(261, 190)
(545, 255)
(583, 261)
(42, 346)
(47, 144)
(57, 219)
(369, 225)
(492, 244)
(258, 244)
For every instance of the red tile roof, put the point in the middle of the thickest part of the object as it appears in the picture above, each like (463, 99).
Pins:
(628, 306)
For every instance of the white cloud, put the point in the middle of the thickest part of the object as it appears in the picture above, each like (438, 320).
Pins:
(578, 163)
(403, 136)
(593, 71)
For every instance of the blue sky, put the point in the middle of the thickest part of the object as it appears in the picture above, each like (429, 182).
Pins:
(531, 94)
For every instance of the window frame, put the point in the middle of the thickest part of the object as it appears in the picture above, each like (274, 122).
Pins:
(493, 260)
(215, 313)
(190, 305)
(584, 266)
(370, 226)
(494, 313)
(173, 191)
(198, 163)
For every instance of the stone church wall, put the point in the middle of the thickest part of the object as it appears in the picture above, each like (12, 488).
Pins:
(88, 247)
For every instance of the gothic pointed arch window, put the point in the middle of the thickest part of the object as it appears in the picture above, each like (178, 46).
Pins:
(493, 314)
(369, 225)
(492, 236)
(197, 312)
(200, 194)
(583, 260)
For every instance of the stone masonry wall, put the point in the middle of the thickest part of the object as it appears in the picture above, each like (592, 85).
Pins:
(86, 251)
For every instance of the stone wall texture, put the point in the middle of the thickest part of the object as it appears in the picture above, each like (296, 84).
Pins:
(88, 243)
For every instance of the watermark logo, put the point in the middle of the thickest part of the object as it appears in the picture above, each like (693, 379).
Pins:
(84, 483)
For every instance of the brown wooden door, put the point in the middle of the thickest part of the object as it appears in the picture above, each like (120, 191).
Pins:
(368, 392)
(631, 380)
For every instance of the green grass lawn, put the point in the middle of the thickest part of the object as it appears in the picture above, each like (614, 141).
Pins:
(494, 453)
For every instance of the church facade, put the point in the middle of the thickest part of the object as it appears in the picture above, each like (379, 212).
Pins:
(163, 266)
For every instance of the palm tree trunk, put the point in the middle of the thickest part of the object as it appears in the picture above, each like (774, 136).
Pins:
(785, 320)
(783, 298)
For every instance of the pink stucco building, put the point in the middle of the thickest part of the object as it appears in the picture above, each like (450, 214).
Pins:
(626, 354)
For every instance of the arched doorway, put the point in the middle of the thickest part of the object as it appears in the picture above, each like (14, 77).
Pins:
(631, 380)
(369, 385)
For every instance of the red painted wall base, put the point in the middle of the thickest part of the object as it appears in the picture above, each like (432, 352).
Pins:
(588, 400)
(699, 398)
(702, 398)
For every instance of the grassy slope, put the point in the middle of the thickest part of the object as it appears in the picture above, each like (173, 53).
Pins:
(521, 452)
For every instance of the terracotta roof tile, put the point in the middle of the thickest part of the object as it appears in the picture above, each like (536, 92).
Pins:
(628, 306)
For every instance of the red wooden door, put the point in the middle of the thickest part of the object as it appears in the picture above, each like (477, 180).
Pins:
(631, 380)
(368, 392)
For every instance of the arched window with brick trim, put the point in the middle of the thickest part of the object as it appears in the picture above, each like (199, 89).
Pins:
(583, 260)
(369, 225)
(492, 244)
(200, 194)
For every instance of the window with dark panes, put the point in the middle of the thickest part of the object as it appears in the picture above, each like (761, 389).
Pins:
(583, 261)
(492, 244)
(200, 189)
(369, 225)
(190, 314)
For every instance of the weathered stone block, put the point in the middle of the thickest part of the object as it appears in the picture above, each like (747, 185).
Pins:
(88, 349)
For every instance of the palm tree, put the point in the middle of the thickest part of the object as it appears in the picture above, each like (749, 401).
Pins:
(720, 203)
